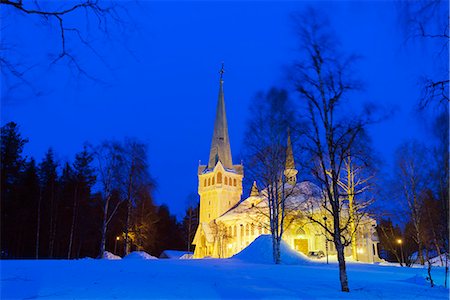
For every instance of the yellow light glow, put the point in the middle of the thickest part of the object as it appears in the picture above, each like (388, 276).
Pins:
(399, 241)
(360, 250)
(117, 238)
(230, 246)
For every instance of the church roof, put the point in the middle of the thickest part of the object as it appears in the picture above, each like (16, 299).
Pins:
(220, 144)
(304, 194)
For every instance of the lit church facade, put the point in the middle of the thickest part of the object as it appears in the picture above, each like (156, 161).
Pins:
(227, 224)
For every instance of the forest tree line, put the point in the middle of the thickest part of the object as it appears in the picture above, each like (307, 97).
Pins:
(100, 201)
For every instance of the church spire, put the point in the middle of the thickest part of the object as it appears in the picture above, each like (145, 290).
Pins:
(290, 164)
(289, 171)
(220, 145)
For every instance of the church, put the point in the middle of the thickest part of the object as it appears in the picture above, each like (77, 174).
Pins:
(227, 225)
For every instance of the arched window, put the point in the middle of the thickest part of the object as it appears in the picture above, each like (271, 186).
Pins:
(213, 179)
(204, 182)
(247, 229)
(219, 178)
(234, 182)
(242, 230)
(253, 229)
(209, 181)
(226, 180)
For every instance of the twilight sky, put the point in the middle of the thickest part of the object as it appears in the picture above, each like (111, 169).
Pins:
(160, 79)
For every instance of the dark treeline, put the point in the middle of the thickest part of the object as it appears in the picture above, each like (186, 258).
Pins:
(101, 201)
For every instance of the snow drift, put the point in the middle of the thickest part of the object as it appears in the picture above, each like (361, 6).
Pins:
(260, 251)
(109, 255)
(139, 255)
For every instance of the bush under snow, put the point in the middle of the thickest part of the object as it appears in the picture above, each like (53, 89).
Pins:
(109, 255)
(260, 251)
(139, 255)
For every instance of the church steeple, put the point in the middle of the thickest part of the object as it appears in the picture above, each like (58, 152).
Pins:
(220, 145)
(289, 171)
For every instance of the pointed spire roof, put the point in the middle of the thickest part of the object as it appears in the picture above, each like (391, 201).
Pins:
(290, 164)
(254, 192)
(220, 145)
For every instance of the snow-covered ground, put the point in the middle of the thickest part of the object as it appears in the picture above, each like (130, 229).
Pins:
(248, 275)
(208, 279)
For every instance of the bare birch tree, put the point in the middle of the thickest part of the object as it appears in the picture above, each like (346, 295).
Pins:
(266, 145)
(109, 159)
(324, 81)
(413, 177)
(134, 174)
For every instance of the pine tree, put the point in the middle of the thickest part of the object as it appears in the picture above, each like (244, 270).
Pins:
(48, 218)
(12, 164)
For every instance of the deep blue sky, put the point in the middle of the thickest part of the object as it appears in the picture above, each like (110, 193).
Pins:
(162, 86)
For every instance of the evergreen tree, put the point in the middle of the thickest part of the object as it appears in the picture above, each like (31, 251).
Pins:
(48, 207)
(12, 164)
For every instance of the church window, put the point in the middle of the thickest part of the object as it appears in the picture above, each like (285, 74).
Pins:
(234, 182)
(213, 179)
(253, 229)
(226, 180)
(242, 230)
(204, 184)
(247, 229)
(209, 181)
(259, 228)
(219, 177)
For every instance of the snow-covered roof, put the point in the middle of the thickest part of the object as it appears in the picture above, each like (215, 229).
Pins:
(174, 254)
(303, 196)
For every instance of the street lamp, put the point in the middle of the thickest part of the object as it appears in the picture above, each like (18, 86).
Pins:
(326, 239)
(115, 244)
(400, 242)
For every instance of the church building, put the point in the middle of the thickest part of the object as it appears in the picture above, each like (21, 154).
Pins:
(227, 225)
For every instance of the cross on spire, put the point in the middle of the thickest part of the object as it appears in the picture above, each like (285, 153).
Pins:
(222, 71)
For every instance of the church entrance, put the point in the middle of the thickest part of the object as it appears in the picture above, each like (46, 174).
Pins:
(301, 245)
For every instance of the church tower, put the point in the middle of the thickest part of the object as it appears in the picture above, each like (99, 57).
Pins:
(290, 171)
(219, 182)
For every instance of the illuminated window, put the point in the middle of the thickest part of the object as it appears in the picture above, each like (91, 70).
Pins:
(259, 229)
(247, 229)
(242, 230)
(253, 229)
(204, 182)
(219, 177)
(226, 180)
(234, 182)
(213, 179)
(209, 181)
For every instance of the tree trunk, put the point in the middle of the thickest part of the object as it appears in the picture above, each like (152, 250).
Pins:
(341, 260)
(127, 226)
(104, 227)
(74, 216)
(38, 224)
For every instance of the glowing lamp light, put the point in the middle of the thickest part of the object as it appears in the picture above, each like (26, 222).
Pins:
(399, 241)
(117, 238)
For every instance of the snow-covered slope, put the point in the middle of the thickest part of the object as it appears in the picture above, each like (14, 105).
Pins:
(260, 251)
(110, 256)
(139, 255)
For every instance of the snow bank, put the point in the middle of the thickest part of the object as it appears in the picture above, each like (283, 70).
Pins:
(109, 255)
(260, 251)
(139, 255)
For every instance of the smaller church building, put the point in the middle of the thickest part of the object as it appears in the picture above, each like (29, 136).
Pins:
(227, 225)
